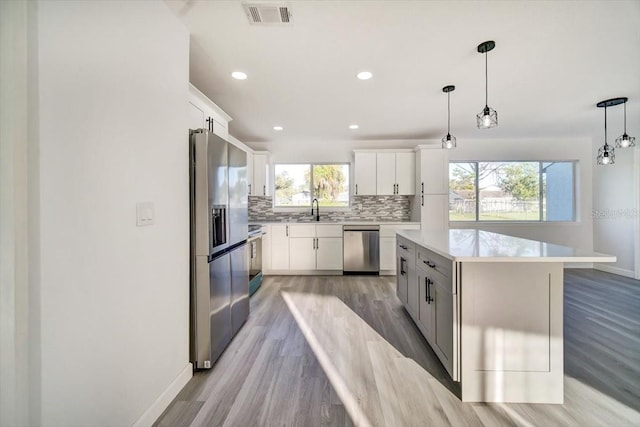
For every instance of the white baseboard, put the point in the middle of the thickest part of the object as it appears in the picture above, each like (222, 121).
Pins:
(157, 408)
(615, 270)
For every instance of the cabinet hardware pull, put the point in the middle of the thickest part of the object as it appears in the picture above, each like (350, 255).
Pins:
(430, 264)
(422, 187)
(426, 290)
(402, 261)
(249, 189)
(317, 243)
(428, 284)
(264, 190)
(356, 189)
(422, 198)
(287, 227)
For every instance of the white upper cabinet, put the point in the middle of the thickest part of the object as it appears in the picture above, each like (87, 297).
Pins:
(396, 173)
(433, 171)
(386, 174)
(365, 174)
(260, 185)
(196, 117)
(205, 114)
(250, 188)
(405, 173)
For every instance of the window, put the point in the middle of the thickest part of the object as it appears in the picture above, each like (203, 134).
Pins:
(511, 191)
(298, 184)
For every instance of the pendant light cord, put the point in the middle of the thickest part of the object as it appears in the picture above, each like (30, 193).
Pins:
(448, 113)
(625, 117)
(605, 125)
(486, 80)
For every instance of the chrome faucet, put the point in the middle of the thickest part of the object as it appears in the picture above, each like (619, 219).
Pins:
(317, 209)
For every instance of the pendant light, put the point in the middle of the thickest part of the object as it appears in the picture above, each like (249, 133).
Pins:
(624, 140)
(606, 154)
(488, 117)
(448, 141)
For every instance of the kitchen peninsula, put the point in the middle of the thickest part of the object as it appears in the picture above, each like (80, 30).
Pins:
(491, 307)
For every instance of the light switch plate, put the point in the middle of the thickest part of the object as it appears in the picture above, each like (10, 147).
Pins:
(144, 213)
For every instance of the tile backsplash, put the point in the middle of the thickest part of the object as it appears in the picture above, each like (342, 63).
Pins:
(365, 208)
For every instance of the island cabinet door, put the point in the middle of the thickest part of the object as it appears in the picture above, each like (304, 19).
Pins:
(425, 309)
(442, 332)
(402, 277)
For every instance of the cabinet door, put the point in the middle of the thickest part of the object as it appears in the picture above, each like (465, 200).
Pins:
(196, 117)
(266, 248)
(434, 171)
(279, 247)
(365, 174)
(405, 174)
(412, 293)
(260, 172)
(387, 253)
(302, 254)
(402, 278)
(425, 308)
(434, 214)
(385, 173)
(329, 253)
(250, 174)
(442, 303)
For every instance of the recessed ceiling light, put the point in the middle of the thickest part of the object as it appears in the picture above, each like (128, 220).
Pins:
(353, 126)
(278, 128)
(239, 75)
(364, 75)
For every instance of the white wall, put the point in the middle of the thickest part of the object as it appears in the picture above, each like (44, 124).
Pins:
(113, 85)
(615, 209)
(578, 234)
(17, 329)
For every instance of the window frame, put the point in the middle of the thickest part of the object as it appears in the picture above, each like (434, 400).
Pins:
(279, 208)
(574, 217)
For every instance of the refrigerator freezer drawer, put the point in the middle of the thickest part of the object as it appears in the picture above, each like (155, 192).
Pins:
(210, 301)
(239, 287)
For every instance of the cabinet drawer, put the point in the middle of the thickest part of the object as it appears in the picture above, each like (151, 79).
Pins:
(300, 230)
(428, 260)
(405, 249)
(328, 231)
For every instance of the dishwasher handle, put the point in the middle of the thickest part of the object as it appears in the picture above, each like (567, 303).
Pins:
(361, 227)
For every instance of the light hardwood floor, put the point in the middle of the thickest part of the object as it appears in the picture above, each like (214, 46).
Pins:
(269, 376)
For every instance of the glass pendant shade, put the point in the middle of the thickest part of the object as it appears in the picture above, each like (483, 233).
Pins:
(606, 155)
(624, 140)
(487, 118)
(449, 142)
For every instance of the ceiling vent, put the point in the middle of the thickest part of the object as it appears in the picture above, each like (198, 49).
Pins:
(268, 14)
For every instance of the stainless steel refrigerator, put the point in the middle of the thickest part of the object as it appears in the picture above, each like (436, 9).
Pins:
(219, 254)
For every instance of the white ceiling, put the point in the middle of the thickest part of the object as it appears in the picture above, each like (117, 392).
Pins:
(553, 61)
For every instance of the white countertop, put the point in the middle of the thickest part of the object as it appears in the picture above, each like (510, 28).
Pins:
(473, 245)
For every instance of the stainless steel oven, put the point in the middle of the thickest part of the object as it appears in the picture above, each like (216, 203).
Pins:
(255, 257)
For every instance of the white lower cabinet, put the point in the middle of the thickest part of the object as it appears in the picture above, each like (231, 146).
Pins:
(387, 253)
(388, 245)
(315, 247)
(279, 247)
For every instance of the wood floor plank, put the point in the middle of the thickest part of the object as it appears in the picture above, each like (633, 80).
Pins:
(269, 376)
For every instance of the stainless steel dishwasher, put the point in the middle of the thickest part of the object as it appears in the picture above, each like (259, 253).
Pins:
(361, 249)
